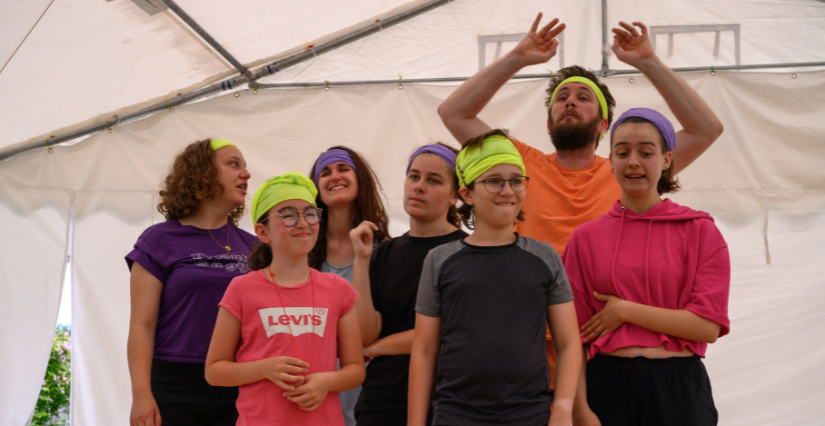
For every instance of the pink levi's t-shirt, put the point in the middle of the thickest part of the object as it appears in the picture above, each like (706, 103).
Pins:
(265, 333)
(669, 257)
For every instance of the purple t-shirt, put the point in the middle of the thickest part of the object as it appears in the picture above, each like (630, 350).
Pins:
(195, 273)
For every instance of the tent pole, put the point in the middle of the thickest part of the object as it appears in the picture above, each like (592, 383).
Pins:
(204, 35)
(249, 76)
(530, 76)
(605, 67)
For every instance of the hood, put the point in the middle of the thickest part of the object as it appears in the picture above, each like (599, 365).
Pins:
(666, 211)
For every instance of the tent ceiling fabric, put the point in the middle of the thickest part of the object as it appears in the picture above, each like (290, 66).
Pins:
(85, 60)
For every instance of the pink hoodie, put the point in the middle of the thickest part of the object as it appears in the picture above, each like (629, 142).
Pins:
(670, 257)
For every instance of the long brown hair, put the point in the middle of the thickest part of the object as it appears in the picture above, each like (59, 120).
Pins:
(466, 212)
(668, 183)
(368, 206)
(192, 180)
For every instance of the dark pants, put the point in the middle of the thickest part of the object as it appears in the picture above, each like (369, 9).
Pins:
(373, 418)
(184, 397)
(650, 392)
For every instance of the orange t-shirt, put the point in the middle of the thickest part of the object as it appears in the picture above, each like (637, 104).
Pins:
(558, 200)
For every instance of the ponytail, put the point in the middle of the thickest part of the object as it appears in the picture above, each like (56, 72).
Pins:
(261, 256)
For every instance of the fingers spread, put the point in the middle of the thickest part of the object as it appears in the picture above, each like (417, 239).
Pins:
(555, 31)
(535, 25)
(642, 26)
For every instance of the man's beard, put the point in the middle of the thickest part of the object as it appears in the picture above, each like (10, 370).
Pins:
(574, 136)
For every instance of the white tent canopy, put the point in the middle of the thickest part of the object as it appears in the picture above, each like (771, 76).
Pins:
(82, 63)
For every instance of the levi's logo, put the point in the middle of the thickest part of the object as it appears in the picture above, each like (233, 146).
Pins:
(300, 319)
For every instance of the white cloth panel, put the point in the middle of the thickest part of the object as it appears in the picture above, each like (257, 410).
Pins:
(100, 305)
(766, 369)
(33, 223)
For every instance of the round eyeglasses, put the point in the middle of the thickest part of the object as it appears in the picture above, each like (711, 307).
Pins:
(496, 185)
(289, 216)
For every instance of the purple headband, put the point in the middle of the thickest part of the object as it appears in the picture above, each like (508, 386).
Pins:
(657, 119)
(440, 150)
(329, 157)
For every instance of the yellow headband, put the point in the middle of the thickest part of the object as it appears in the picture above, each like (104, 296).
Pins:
(592, 85)
(288, 186)
(473, 162)
(219, 143)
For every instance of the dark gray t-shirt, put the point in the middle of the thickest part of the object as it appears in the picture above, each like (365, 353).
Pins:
(492, 301)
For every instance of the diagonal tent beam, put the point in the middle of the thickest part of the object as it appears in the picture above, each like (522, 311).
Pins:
(375, 26)
(204, 35)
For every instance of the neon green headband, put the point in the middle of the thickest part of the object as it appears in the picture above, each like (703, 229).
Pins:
(473, 162)
(592, 85)
(219, 143)
(288, 186)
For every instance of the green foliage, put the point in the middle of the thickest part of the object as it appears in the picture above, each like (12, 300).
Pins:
(53, 404)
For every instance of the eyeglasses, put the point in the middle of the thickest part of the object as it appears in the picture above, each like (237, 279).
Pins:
(496, 185)
(289, 216)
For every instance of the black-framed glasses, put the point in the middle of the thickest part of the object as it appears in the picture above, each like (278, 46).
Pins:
(289, 216)
(496, 185)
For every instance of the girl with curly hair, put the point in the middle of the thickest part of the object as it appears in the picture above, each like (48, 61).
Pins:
(180, 270)
(348, 195)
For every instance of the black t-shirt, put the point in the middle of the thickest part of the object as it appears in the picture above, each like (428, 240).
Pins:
(395, 270)
(492, 301)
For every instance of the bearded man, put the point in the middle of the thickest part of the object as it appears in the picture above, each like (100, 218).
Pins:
(573, 185)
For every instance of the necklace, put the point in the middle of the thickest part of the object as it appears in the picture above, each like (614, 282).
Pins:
(289, 323)
(226, 247)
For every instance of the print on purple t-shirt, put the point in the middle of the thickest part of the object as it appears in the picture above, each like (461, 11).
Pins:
(195, 272)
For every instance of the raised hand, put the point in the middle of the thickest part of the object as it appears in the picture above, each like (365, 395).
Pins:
(539, 46)
(284, 370)
(362, 239)
(631, 47)
(607, 320)
(311, 394)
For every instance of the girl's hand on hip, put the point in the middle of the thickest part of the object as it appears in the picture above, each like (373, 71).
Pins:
(362, 238)
(311, 394)
(283, 370)
(607, 320)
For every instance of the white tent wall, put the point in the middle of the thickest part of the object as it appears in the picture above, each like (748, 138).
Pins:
(761, 181)
(33, 223)
(444, 42)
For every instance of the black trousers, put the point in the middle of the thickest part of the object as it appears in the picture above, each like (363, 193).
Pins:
(373, 418)
(184, 398)
(650, 392)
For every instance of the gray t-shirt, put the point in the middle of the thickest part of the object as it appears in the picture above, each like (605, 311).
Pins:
(492, 302)
(344, 272)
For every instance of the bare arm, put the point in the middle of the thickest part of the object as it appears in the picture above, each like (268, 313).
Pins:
(369, 320)
(145, 291)
(700, 126)
(310, 395)
(582, 414)
(394, 344)
(674, 322)
(566, 340)
(425, 349)
(222, 370)
(460, 110)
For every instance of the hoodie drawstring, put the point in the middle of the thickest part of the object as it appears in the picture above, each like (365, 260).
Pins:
(647, 258)
(615, 255)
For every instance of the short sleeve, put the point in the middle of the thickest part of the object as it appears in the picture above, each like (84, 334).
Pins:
(428, 301)
(232, 299)
(146, 256)
(348, 295)
(575, 273)
(375, 278)
(524, 149)
(711, 289)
